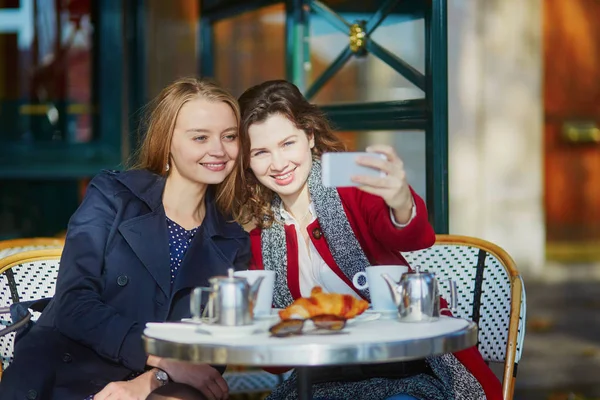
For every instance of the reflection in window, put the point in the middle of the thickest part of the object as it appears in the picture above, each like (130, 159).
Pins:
(250, 48)
(172, 35)
(45, 76)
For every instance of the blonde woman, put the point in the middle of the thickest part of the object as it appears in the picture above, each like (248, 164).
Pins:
(137, 245)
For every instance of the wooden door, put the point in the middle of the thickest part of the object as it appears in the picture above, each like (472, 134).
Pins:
(572, 135)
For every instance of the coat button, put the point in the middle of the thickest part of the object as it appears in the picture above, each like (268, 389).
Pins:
(122, 280)
(67, 358)
(317, 233)
(31, 394)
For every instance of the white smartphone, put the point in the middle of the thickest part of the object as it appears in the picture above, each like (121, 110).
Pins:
(339, 168)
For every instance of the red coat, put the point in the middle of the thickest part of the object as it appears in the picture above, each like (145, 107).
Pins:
(382, 243)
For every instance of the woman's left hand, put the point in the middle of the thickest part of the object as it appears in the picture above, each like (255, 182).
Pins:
(392, 188)
(136, 389)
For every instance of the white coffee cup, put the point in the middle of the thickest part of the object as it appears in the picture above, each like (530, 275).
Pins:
(381, 297)
(264, 300)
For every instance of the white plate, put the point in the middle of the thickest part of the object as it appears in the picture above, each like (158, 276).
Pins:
(364, 317)
(384, 314)
(170, 326)
(227, 331)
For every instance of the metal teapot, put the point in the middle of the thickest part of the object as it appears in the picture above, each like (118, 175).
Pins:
(417, 296)
(231, 300)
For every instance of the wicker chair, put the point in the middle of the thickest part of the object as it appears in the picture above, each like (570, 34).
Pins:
(12, 246)
(24, 276)
(490, 292)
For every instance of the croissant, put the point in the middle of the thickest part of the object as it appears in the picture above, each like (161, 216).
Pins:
(319, 303)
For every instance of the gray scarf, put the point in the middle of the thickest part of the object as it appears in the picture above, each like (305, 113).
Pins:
(338, 233)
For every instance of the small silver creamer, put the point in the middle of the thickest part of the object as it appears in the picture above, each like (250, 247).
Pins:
(230, 300)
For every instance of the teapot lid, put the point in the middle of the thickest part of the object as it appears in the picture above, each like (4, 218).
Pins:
(417, 271)
(229, 278)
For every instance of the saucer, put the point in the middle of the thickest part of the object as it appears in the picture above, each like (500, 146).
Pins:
(273, 315)
(364, 317)
(171, 326)
(230, 331)
(227, 331)
(384, 314)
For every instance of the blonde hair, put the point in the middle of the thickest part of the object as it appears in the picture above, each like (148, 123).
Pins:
(252, 204)
(153, 153)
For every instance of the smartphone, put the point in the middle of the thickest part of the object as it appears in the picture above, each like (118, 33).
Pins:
(339, 168)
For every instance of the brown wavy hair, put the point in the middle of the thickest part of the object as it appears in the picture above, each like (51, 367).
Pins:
(253, 201)
(153, 153)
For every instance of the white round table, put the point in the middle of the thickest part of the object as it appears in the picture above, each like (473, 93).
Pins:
(381, 340)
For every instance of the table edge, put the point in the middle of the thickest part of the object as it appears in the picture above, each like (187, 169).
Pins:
(315, 354)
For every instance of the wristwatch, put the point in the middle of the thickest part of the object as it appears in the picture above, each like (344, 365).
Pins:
(161, 376)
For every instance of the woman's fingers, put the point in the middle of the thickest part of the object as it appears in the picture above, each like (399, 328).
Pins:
(222, 383)
(375, 163)
(206, 392)
(387, 151)
(386, 182)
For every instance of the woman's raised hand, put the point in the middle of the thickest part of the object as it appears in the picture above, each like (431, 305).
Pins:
(393, 187)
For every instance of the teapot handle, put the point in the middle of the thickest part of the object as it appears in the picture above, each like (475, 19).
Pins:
(196, 305)
(453, 303)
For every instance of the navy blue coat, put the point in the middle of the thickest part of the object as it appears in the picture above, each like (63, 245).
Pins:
(114, 277)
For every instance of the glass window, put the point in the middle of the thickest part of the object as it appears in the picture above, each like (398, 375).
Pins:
(250, 48)
(45, 73)
(172, 37)
(368, 78)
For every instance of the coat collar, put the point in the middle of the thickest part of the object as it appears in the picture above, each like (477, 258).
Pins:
(149, 187)
(145, 185)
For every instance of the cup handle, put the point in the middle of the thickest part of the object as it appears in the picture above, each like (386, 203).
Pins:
(357, 277)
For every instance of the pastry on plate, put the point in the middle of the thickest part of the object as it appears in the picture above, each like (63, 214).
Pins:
(319, 303)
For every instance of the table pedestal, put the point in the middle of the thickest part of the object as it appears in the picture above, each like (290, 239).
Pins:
(304, 383)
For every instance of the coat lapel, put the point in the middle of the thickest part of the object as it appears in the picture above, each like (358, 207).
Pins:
(202, 261)
(212, 251)
(148, 237)
(147, 234)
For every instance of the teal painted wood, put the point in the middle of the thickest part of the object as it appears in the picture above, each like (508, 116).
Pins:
(391, 115)
(436, 65)
(45, 160)
(399, 65)
(137, 81)
(333, 68)
(332, 17)
(297, 51)
(380, 14)
(108, 72)
(206, 42)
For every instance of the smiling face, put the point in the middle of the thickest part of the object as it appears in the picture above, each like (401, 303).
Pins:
(205, 142)
(280, 155)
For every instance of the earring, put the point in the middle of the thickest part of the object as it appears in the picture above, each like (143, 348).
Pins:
(167, 167)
